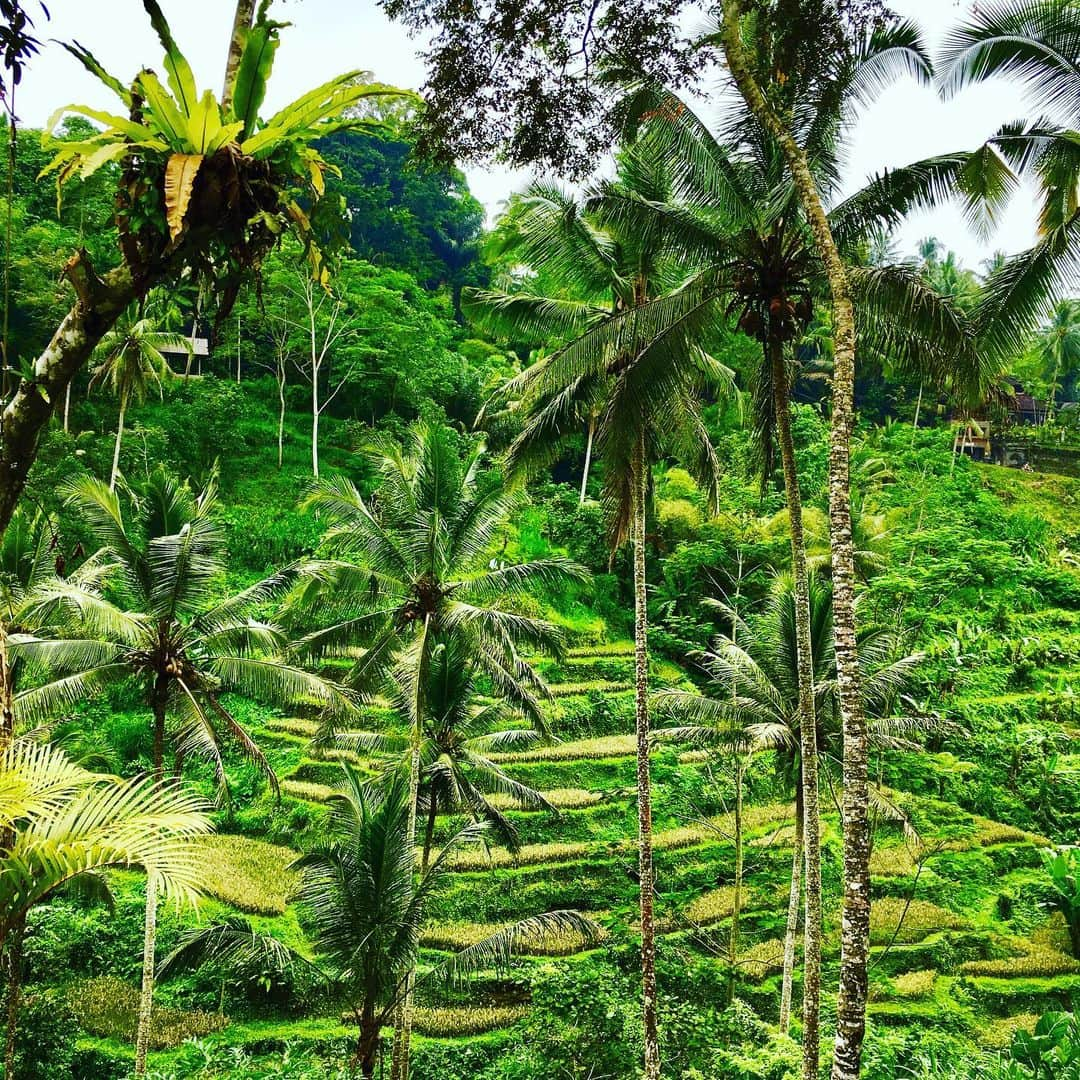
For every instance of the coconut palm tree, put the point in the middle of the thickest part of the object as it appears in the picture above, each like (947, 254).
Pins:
(644, 388)
(128, 360)
(751, 701)
(367, 906)
(1057, 346)
(416, 564)
(460, 728)
(62, 824)
(169, 634)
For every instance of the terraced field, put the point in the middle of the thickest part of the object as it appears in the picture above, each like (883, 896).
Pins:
(958, 941)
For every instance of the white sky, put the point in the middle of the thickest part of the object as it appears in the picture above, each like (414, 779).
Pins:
(331, 36)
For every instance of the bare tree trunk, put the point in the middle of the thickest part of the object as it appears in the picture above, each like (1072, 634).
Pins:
(399, 1061)
(281, 421)
(588, 458)
(116, 446)
(792, 929)
(808, 754)
(242, 19)
(315, 423)
(855, 947)
(918, 406)
(67, 407)
(146, 995)
(646, 874)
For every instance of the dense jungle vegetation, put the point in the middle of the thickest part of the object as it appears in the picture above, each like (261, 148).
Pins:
(587, 644)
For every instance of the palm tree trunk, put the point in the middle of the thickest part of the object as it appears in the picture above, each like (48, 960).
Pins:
(644, 779)
(588, 458)
(808, 754)
(116, 448)
(146, 995)
(67, 408)
(14, 993)
(792, 929)
(918, 406)
(855, 937)
(736, 905)
(399, 1061)
(245, 12)
(429, 833)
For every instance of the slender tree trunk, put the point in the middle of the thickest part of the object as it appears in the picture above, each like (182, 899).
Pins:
(116, 446)
(736, 905)
(808, 755)
(855, 936)
(242, 19)
(14, 993)
(399, 1061)
(7, 706)
(315, 423)
(146, 995)
(918, 406)
(646, 875)
(792, 929)
(588, 458)
(67, 407)
(281, 423)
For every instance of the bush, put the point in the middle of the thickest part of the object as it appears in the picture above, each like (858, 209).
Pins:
(45, 1037)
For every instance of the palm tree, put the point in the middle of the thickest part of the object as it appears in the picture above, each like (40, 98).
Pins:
(179, 644)
(367, 906)
(644, 388)
(128, 359)
(415, 565)
(751, 701)
(63, 824)
(1057, 346)
(459, 731)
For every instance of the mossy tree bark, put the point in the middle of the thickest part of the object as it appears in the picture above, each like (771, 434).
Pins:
(855, 943)
(646, 874)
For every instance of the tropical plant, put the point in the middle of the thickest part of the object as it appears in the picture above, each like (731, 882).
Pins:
(644, 390)
(417, 564)
(367, 906)
(459, 731)
(1063, 869)
(183, 647)
(130, 358)
(1057, 347)
(201, 187)
(751, 703)
(63, 825)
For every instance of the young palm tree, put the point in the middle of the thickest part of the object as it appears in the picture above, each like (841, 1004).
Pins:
(129, 359)
(181, 646)
(751, 700)
(459, 731)
(367, 906)
(644, 388)
(1057, 345)
(414, 565)
(63, 824)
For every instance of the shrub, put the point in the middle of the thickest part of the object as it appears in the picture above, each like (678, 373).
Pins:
(109, 1007)
(44, 1040)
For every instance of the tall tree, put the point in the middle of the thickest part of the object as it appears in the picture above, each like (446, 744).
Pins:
(644, 390)
(130, 358)
(1057, 346)
(198, 186)
(182, 646)
(415, 565)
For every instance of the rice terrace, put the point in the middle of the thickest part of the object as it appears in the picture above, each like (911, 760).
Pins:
(540, 540)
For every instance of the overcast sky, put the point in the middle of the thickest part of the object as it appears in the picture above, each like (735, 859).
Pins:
(330, 36)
